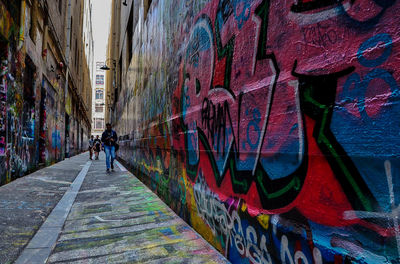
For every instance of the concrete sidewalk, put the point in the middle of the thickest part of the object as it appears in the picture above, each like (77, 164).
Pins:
(113, 219)
(26, 202)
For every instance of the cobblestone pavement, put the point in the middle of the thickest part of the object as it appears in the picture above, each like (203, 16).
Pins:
(26, 202)
(115, 219)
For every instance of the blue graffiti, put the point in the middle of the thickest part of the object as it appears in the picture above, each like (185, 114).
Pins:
(56, 139)
(254, 126)
(370, 44)
(192, 144)
(222, 145)
(355, 88)
(374, 139)
(200, 40)
(244, 15)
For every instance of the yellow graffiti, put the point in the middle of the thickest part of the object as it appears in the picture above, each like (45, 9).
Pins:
(5, 21)
(18, 104)
(197, 222)
(244, 207)
(22, 28)
(68, 105)
(263, 220)
(8, 177)
(55, 85)
(150, 168)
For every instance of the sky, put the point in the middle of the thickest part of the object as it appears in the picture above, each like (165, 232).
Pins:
(101, 16)
(101, 26)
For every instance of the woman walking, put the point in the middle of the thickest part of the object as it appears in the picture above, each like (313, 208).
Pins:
(97, 147)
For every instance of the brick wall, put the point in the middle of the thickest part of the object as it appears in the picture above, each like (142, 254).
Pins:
(271, 127)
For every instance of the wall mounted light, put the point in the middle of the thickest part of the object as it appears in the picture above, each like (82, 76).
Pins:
(125, 3)
(105, 67)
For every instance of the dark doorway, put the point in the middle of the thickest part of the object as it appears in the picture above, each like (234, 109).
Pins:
(42, 126)
(81, 139)
(67, 126)
(28, 114)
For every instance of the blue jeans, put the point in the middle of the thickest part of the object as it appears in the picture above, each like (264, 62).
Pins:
(110, 153)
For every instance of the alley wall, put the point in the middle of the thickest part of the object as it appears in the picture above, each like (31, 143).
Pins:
(271, 127)
(41, 120)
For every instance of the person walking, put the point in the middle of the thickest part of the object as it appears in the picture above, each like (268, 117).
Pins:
(97, 147)
(109, 138)
(91, 142)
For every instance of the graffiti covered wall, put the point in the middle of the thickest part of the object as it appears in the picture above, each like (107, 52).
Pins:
(52, 150)
(17, 92)
(32, 113)
(272, 127)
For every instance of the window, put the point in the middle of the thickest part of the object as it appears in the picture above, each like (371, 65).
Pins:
(99, 123)
(130, 38)
(99, 65)
(99, 108)
(76, 54)
(147, 8)
(99, 94)
(33, 22)
(60, 6)
(99, 79)
(70, 34)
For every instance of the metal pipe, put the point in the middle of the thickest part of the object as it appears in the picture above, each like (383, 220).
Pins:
(22, 26)
(67, 51)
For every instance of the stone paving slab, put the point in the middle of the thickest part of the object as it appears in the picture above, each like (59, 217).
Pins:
(117, 219)
(46, 237)
(26, 202)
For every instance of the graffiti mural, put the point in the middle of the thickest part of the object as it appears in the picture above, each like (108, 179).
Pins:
(3, 120)
(50, 126)
(3, 109)
(16, 98)
(32, 115)
(274, 128)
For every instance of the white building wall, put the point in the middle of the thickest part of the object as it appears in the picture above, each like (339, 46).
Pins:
(99, 85)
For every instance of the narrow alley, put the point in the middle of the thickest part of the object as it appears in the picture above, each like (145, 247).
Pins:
(113, 219)
(250, 131)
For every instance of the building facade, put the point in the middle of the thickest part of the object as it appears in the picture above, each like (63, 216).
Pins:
(45, 92)
(88, 38)
(98, 105)
(272, 127)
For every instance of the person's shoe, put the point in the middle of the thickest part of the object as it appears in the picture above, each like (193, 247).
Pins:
(112, 167)
(108, 170)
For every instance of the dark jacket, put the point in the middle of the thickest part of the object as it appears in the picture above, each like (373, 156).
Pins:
(97, 144)
(106, 136)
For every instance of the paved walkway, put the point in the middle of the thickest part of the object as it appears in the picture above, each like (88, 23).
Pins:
(74, 212)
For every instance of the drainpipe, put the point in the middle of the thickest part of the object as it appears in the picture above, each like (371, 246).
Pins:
(67, 51)
(22, 26)
(68, 48)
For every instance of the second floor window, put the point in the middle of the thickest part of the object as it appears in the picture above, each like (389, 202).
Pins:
(99, 94)
(99, 123)
(99, 79)
(99, 108)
